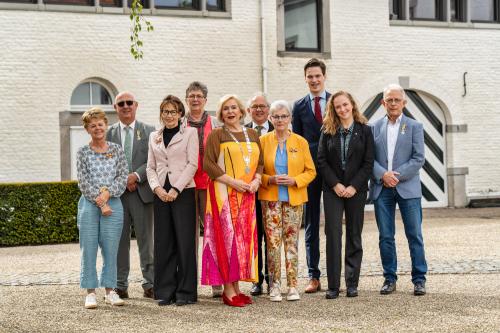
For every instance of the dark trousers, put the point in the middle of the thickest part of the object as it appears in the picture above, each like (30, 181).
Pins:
(261, 237)
(312, 226)
(354, 216)
(174, 248)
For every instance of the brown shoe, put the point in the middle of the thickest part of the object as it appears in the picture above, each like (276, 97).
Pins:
(123, 293)
(313, 286)
(148, 293)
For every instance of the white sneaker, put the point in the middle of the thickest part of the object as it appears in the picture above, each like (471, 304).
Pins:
(216, 291)
(275, 294)
(293, 294)
(90, 301)
(113, 299)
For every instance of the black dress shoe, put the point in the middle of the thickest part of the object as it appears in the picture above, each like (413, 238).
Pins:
(332, 294)
(148, 293)
(388, 288)
(256, 289)
(352, 292)
(164, 302)
(182, 302)
(419, 289)
(123, 293)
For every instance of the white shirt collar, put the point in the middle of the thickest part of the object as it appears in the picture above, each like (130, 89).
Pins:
(397, 122)
(322, 95)
(265, 124)
(132, 126)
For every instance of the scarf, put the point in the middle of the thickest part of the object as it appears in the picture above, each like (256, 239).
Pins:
(200, 126)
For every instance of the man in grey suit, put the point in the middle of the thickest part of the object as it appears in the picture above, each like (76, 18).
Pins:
(399, 156)
(137, 200)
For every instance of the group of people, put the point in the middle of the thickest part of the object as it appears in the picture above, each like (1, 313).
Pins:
(248, 185)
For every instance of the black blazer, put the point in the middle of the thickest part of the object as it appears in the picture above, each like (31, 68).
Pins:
(305, 124)
(359, 162)
(271, 127)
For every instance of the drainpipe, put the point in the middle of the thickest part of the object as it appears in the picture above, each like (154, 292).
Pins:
(263, 47)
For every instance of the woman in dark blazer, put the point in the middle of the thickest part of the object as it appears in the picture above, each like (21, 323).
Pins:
(172, 163)
(345, 160)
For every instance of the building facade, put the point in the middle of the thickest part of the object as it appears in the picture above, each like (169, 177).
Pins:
(64, 55)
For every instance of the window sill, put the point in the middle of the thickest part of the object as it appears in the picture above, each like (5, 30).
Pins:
(298, 54)
(434, 24)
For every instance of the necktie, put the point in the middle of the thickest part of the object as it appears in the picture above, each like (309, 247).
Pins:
(259, 129)
(127, 146)
(317, 110)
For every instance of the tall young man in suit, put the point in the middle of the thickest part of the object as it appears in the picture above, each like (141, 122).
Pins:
(308, 113)
(258, 109)
(399, 156)
(137, 200)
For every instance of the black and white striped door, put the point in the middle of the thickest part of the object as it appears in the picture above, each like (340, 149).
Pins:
(428, 111)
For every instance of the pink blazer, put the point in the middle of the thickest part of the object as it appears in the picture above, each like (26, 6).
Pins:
(179, 160)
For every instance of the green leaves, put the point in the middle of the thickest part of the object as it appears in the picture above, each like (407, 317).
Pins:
(137, 20)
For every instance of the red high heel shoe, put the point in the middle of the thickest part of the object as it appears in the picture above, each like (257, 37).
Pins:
(244, 298)
(235, 301)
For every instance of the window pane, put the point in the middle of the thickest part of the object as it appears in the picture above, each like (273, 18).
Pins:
(81, 95)
(482, 10)
(70, 2)
(100, 95)
(396, 10)
(217, 5)
(110, 3)
(301, 25)
(457, 12)
(183, 4)
(423, 9)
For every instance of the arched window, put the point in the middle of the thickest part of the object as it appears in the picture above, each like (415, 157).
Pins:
(91, 93)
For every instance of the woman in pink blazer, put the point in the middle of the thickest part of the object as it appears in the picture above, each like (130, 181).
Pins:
(172, 163)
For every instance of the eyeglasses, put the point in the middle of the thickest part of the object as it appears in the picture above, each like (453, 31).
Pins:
(193, 97)
(259, 106)
(169, 112)
(393, 101)
(280, 117)
(122, 103)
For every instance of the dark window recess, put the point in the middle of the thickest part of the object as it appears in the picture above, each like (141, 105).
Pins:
(110, 3)
(216, 5)
(178, 4)
(303, 25)
(144, 3)
(19, 1)
(457, 10)
(427, 10)
(70, 2)
(397, 10)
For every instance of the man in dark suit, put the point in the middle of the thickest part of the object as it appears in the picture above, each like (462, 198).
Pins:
(258, 108)
(399, 156)
(137, 200)
(308, 113)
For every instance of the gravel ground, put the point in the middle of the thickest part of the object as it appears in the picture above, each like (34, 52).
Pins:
(462, 300)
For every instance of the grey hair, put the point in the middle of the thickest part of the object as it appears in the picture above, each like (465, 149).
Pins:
(254, 96)
(278, 105)
(394, 87)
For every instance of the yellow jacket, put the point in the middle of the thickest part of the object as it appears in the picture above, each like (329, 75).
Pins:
(300, 167)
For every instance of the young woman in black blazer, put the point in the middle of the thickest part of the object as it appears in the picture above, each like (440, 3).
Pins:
(345, 160)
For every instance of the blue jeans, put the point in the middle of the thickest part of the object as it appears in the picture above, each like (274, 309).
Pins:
(411, 213)
(103, 231)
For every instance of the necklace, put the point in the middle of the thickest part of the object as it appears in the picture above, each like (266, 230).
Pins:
(246, 158)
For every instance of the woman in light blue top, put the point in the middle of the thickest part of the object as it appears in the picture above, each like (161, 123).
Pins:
(102, 178)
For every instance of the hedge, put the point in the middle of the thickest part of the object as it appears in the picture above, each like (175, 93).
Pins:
(38, 213)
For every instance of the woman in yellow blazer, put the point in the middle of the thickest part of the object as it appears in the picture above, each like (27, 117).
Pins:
(288, 169)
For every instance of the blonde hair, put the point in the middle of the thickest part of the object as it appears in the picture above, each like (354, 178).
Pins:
(331, 122)
(93, 113)
(223, 100)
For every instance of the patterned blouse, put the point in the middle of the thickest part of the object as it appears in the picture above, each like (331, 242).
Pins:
(96, 170)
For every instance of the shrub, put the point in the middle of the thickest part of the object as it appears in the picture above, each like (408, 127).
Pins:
(38, 213)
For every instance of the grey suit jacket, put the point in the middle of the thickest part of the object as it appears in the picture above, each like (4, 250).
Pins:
(408, 157)
(139, 154)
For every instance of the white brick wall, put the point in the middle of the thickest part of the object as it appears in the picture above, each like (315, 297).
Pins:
(46, 55)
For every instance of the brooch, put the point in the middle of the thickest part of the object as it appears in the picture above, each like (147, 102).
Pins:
(138, 135)
(109, 155)
(403, 128)
(293, 151)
